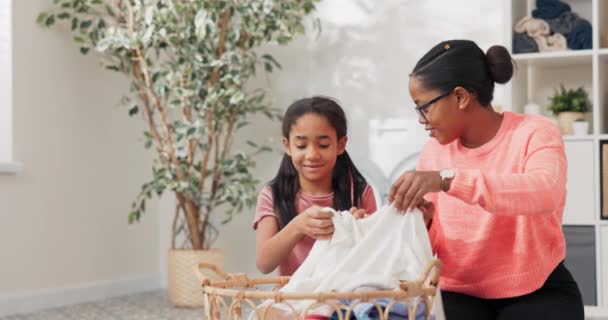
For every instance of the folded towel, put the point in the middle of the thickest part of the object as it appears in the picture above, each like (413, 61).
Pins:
(563, 24)
(523, 43)
(533, 27)
(581, 37)
(555, 42)
(549, 9)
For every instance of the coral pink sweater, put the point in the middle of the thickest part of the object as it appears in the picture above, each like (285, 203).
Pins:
(498, 230)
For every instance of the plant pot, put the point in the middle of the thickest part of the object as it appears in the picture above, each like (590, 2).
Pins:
(565, 120)
(184, 287)
(580, 128)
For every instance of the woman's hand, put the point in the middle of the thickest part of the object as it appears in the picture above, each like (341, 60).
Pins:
(410, 188)
(358, 213)
(315, 223)
(428, 210)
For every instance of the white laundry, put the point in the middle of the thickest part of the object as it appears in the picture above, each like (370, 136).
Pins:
(376, 252)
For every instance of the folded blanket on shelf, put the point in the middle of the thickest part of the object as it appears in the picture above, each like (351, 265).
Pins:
(549, 9)
(563, 24)
(555, 42)
(581, 36)
(523, 43)
(533, 27)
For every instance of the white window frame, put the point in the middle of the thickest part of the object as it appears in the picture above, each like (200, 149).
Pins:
(7, 162)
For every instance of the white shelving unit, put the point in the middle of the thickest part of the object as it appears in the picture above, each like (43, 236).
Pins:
(536, 77)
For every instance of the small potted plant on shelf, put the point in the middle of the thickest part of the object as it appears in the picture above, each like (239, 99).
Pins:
(569, 105)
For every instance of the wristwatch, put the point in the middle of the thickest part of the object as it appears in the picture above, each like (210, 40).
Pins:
(447, 175)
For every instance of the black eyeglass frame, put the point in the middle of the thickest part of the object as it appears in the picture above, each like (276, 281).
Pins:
(420, 108)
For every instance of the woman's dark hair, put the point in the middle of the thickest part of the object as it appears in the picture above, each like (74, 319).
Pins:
(462, 63)
(286, 184)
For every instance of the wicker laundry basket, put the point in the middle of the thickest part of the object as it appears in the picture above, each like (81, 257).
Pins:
(225, 298)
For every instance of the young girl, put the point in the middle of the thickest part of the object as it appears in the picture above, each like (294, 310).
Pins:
(316, 172)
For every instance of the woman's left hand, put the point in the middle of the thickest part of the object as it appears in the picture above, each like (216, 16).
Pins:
(409, 189)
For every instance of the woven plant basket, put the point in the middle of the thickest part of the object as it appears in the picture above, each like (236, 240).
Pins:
(226, 298)
(565, 120)
(184, 288)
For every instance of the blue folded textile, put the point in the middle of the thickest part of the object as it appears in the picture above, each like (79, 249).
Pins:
(563, 24)
(549, 9)
(367, 311)
(523, 43)
(581, 37)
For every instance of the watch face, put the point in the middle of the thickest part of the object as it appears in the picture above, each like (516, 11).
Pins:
(447, 173)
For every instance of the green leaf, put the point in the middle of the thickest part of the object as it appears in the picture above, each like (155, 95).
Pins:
(251, 143)
(63, 16)
(191, 131)
(85, 24)
(134, 216)
(133, 111)
(78, 39)
(41, 18)
(155, 76)
(84, 50)
(109, 10)
(74, 23)
(50, 20)
(148, 144)
(272, 60)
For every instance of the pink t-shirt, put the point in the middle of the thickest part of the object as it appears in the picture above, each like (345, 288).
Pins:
(265, 208)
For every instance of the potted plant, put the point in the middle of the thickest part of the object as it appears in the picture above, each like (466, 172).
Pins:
(569, 105)
(188, 63)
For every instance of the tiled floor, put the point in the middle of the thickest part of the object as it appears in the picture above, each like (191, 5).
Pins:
(153, 305)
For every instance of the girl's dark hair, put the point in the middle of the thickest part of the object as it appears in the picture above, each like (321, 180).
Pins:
(462, 63)
(286, 184)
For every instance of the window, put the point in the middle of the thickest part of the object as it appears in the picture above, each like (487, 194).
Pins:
(7, 163)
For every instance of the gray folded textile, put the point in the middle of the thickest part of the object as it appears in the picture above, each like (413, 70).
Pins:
(563, 24)
(523, 43)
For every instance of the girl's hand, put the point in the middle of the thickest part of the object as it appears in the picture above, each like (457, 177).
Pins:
(358, 213)
(315, 223)
(410, 188)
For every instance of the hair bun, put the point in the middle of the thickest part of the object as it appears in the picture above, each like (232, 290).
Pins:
(500, 64)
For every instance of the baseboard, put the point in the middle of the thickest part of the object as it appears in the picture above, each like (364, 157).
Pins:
(48, 298)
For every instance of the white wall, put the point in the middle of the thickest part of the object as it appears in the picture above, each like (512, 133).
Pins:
(64, 234)
(63, 230)
(363, 57)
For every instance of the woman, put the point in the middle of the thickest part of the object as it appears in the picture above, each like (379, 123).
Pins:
(495, 188)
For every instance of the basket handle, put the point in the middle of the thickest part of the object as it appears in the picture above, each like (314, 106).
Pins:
(431, 273)
(204, 265)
